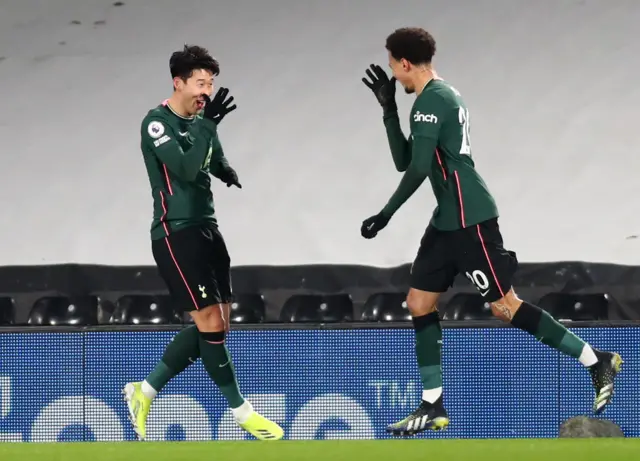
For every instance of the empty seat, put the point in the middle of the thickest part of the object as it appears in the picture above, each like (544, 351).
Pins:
(466, 306)
(145, 310)
(248, 308)
(386, 307)
(567, 306)
(64, 311)
(106, 308)
(7, 311)
(317, 309)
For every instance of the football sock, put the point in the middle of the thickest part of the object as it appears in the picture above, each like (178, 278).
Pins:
(428, 352)
(182, 351)
(431, 395)
(549, 331)
(242, 413)
(217, 362)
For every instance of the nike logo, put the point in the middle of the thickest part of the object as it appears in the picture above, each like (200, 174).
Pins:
(225, 364)
(484, 293)
(186, 133)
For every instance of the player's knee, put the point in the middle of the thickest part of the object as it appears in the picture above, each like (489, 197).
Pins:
(213, 337)
(506, 307)
(421, 302)
(209, 319)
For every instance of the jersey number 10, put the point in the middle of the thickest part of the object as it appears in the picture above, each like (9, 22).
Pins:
(463, 118)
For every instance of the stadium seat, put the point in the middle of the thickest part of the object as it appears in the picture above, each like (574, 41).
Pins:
(317, 309)
(466, 306)
(64, 311)
(567, 306)
(248, 308)
(386, 307)
(145, 310)
(7, 311)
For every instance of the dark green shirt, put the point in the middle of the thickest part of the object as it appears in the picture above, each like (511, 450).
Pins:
(179, 154)
(439, 148)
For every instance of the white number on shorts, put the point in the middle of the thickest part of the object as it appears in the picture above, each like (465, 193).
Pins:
(479, 280)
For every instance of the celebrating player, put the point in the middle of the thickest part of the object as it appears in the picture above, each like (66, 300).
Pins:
(181, 149)
(463, 235)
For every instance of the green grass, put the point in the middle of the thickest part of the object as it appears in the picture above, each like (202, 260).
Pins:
(331, 450)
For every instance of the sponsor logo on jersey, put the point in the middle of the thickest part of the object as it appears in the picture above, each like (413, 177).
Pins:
(161, 141)
(155, 129)
(428, 118)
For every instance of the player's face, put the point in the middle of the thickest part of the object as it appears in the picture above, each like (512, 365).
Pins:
(194, 88)
(402, 72)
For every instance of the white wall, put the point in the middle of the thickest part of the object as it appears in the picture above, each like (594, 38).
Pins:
(551, 85)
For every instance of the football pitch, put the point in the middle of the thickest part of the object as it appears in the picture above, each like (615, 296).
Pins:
(332, 450)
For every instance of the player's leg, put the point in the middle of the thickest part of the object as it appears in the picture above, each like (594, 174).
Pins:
(221, 262)
(490, 268)
(432, 273)
(184, 348)
(182, 351)
(174, 258)
(215, 355)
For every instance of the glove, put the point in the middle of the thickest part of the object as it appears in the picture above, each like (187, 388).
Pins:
(215, 109)
(383, 87)
(229, 176)
(371, 226)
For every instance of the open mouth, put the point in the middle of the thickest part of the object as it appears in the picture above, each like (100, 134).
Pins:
(200, 104)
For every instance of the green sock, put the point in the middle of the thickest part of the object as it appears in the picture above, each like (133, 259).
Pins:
(428, 349)
(217, 361)
(547, 330)
(182, 351)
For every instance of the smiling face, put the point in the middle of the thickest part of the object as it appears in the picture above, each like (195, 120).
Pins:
(193, 89)
(192, 71)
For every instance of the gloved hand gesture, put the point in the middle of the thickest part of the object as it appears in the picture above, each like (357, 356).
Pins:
(383, 87)
(217, 108)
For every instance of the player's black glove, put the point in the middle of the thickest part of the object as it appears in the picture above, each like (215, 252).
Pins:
(229, 176)
(383, 87)
(371, 226)
(217, 108)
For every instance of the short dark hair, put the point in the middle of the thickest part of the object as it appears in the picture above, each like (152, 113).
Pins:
(191, 57)
(414, 44)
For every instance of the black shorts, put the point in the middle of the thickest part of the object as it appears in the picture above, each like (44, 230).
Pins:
(475, 252)
(195, 265)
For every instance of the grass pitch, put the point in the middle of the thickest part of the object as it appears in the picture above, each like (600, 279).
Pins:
(330, 450)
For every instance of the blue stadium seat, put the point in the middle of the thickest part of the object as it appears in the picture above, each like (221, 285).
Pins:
(466, 306)
(317, 309)
(248, 308)
(567, 306)
(7, 311)
(64, 311)
(386, 307)
(145, 310)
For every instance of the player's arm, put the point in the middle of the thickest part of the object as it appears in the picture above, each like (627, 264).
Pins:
(419, 168)
(400, 147)
(218, 161)
(219, 166)
(426, 122)
(184, 164)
